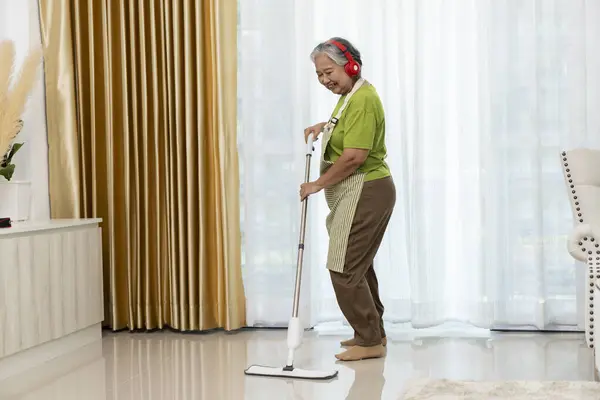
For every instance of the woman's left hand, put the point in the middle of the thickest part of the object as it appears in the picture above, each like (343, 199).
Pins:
(306, 189)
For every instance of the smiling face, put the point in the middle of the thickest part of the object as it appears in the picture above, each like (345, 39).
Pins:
(332, 75)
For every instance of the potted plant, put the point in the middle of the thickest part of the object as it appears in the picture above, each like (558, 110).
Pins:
(15, 87)
(7, 168)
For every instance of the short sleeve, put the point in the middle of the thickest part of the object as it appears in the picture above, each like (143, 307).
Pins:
(359, 129)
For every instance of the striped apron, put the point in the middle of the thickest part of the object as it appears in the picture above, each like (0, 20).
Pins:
(342, 198)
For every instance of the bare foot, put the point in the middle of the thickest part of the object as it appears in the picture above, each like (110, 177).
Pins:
(352, 342)
(361, 353)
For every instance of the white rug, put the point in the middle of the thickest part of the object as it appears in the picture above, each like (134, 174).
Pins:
(514, 390)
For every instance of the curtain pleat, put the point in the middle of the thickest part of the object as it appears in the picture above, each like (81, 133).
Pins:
(62, 114)
(152, 104)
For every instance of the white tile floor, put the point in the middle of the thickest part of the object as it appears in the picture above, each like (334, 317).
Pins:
(174, 366)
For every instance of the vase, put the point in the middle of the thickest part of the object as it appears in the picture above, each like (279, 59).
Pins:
(15, 200)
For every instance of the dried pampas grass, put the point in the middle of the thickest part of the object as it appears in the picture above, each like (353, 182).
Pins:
(14, 90)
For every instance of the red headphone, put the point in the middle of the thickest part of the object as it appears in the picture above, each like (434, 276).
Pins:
(352, 68)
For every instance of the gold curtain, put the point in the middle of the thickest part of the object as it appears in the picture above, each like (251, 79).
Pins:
(141, 109)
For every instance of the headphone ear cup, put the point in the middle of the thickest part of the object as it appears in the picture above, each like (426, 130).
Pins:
(352, 68)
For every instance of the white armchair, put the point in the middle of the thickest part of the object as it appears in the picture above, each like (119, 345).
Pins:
(581, 168)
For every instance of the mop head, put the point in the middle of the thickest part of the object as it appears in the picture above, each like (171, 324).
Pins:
(292, 373)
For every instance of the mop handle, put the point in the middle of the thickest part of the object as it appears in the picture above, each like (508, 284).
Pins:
(309, 151)
(309, 147)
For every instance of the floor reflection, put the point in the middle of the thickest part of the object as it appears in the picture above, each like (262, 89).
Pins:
(173, 366)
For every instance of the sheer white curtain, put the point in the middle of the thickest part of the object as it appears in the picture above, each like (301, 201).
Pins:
(19, 21)
(480, 97)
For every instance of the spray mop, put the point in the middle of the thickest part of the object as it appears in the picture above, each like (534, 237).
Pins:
(295, 331)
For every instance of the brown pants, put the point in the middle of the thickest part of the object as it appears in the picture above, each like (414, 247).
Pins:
(357, 289)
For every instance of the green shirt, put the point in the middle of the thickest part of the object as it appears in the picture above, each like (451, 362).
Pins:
(361, 126)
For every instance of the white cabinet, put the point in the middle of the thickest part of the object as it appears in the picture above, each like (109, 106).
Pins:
(51, 295)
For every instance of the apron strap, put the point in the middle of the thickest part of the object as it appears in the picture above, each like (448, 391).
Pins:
(330, 126)
(356, 86)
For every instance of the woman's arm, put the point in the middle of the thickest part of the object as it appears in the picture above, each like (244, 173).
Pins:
(346, 165)
(358, 139)
(314, 130)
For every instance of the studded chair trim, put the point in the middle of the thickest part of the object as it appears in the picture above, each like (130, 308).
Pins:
(584, 241)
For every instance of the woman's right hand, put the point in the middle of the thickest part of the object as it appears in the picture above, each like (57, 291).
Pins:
(314, 130)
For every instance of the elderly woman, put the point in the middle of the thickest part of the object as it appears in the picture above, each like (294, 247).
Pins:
(359, 191)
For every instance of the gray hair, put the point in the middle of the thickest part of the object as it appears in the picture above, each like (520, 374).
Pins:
(333, 52)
